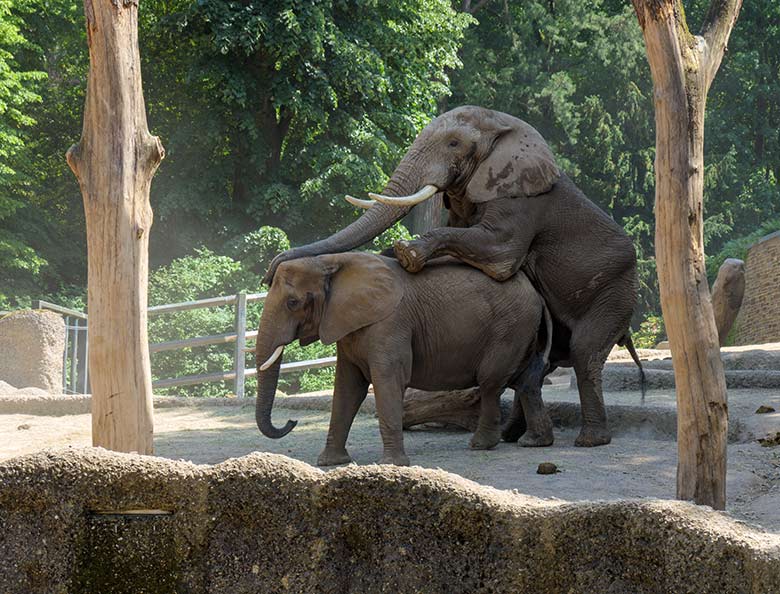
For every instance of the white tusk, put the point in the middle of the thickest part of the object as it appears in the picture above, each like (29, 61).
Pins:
(358, 202)
(272, 359)
(423, 194)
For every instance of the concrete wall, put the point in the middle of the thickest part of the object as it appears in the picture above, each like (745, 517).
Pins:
(31, 348)
(266, 523)
(759, 318)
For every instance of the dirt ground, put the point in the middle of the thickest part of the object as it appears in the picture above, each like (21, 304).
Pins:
(639, 463)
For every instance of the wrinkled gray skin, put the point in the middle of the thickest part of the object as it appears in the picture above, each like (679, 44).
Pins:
(397, 330)
(511, 209)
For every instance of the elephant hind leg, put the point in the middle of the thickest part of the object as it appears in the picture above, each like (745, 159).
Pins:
(595, 430)
(528, 397)
(515, 426)
(592, 340)
(488, 432)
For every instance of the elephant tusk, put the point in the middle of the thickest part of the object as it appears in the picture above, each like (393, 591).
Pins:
(423, 194)
(358, 202)
(272, 359)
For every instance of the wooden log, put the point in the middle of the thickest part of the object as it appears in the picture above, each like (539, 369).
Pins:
(114, 162)
(683, 67)
(458, 407)
(727, 294)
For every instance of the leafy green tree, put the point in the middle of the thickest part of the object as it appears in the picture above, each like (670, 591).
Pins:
(18, 87)
(304, 102)
(742, 189)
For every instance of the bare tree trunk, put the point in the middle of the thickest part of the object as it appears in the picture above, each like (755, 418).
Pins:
(114, 162)
(683, 67)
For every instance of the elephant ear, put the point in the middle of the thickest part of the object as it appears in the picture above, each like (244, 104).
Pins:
(363, 290)
(520, 164)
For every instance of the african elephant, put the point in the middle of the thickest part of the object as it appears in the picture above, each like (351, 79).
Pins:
(510, 208)
(448, 327)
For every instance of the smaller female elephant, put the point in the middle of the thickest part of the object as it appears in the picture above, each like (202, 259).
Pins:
(398, 330)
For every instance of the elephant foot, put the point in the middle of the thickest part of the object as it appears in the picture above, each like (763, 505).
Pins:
(591, 436)
(409, 255)
(485, 439)
(539, 434)
(333, 457)
(536, 440)
(512, 431)
(396, 459)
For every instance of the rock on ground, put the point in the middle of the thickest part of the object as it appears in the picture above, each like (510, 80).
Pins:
(32, 344)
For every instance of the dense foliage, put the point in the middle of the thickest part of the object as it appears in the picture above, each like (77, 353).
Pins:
(271, 110)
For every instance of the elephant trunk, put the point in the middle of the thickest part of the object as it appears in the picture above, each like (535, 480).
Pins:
(266, 391)
(404, 181)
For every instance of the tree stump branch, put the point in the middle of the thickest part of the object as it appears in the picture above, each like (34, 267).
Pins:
(114, 162)
(683, 66)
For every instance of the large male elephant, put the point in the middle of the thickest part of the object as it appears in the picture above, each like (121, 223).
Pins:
(510, 208)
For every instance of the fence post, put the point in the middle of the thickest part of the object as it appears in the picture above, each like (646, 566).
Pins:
(240, 343)
(74, 358)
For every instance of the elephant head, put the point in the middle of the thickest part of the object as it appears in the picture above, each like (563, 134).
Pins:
(468, 153)
(322, 298)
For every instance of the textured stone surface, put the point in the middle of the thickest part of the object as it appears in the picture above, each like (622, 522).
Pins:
(754, 368)
(266, 523)
(31, 348)
(728, 290)
(759, 317)
(616, 379)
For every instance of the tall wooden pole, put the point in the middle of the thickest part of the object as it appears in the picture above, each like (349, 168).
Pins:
(683, 67)
(114, 162)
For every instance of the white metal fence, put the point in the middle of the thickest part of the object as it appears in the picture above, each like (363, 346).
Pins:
(75, 376)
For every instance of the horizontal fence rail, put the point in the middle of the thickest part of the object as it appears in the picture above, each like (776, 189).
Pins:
(189, 380)
(75, 374)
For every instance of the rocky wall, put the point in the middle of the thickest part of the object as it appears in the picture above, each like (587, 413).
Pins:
(89, 520)
(32, 343)
(758, 321)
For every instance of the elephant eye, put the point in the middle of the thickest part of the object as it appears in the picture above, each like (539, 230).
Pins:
(453, 143)
(292, 303)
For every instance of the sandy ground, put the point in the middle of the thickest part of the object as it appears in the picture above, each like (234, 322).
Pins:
(637, 464)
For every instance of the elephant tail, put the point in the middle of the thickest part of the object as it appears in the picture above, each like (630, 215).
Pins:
(629, 344)
(549, 326)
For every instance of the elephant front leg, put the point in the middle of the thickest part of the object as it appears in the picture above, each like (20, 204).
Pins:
(412, 255)
(496, 246)
(349, 392)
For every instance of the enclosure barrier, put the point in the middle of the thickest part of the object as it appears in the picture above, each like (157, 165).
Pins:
(92, 520)
(75, 377)
(75, 371)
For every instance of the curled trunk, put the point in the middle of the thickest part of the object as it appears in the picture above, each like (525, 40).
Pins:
(266, 391)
